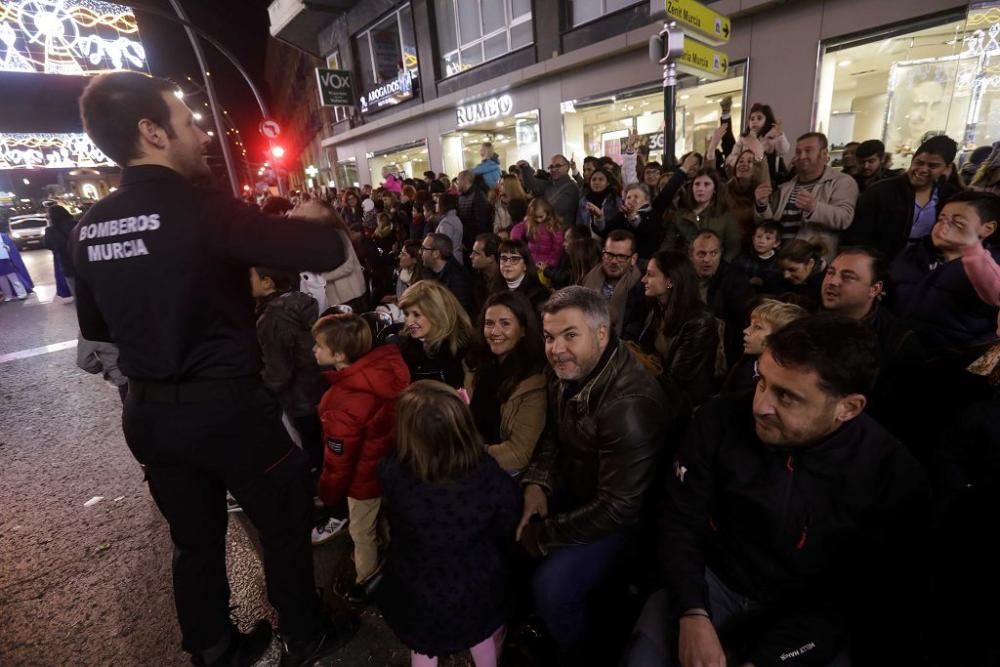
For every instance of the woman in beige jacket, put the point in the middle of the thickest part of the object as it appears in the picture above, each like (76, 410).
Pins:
(506, 383)
(346, 283)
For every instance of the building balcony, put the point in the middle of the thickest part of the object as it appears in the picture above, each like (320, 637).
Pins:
(297, 22)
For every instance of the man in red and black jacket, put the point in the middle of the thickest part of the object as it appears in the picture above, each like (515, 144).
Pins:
(791, 517)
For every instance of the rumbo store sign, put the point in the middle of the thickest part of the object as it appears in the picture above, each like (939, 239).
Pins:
(485, 110)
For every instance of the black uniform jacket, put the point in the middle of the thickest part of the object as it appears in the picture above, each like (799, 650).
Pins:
(163, 272)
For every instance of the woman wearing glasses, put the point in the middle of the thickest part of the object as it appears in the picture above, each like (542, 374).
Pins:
(543, 231)
(506, 381)
(680, 331)
(520, 273)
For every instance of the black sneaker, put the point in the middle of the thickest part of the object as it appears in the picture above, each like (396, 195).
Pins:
(303, 652)
(243, 650)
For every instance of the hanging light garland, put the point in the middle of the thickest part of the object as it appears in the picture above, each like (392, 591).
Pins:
(50, 150)
(75, 37)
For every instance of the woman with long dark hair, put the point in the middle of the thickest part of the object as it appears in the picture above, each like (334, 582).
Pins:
(506, 380)
(581, 253)
(601, 199)
(703, 204)
(802, 268)
(680, 330)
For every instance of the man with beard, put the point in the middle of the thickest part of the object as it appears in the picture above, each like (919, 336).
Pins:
(897, 210)
(585, 487)
(791, 518)
(724, 288)
(162, 268)
(870, 155)
(619, 280)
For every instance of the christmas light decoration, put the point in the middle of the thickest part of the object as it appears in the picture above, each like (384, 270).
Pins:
(76, 37)
(54, 151)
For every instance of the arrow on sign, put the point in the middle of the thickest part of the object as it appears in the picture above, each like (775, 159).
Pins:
(270, 129)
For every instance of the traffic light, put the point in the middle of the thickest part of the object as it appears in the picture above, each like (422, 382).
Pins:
(277, 152)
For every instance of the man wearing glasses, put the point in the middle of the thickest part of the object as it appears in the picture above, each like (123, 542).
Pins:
(436, 252)
(897, 210)
(560, 191)
(619, 281)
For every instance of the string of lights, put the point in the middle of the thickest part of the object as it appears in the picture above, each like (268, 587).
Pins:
(73, 37)
(50, 150)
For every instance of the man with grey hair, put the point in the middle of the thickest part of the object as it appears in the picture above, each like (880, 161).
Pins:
(560, 190)
(585, 487)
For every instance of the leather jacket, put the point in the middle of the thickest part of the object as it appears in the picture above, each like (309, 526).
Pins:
(599, 449)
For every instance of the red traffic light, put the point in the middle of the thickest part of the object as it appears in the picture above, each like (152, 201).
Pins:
(278, 152)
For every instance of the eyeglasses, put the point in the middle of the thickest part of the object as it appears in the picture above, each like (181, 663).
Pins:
(616, 257)
(423, 249)
(558, 166)
(510, 259)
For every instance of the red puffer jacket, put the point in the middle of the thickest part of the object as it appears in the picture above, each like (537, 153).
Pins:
(358, 414)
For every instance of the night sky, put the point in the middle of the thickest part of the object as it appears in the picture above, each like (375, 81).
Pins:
(48, 103)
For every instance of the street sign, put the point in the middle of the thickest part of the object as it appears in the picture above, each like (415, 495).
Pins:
(712, 26)
(334, 87)
(702, 61)
(270, 129)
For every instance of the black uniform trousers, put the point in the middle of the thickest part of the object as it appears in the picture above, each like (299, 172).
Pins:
(197, 439)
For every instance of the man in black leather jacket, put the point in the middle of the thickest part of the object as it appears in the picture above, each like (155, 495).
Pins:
(789, 532)
(594, 464)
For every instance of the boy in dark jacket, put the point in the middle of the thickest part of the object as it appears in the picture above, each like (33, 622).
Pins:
(284, 319)
(761, 264)
(358, 416)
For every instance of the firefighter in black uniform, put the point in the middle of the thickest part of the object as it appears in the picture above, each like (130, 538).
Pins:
(163, 273)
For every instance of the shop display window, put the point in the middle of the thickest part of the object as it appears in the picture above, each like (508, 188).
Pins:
(514, 138)
(410, 161)
(599, 126)
(905, 86)
(347, 173)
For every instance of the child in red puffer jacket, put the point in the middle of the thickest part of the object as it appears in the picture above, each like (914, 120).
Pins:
(358, 415)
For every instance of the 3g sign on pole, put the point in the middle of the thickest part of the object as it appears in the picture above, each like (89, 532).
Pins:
(334, 87)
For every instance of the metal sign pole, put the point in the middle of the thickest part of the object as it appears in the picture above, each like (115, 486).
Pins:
(669, 115)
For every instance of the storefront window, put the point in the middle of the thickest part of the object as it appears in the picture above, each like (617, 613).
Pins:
(471, 32)
(387, 61)
(513, 138)
(901, 87)
(599, 126)
(347, 173)
(409, 161)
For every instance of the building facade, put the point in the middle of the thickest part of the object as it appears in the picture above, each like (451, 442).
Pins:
(434, 78)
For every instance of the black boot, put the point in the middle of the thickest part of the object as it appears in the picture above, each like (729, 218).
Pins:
(302, 652)
(241, 650)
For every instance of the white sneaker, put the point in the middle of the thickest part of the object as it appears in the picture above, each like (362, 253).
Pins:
(327, 530)
(231, 504)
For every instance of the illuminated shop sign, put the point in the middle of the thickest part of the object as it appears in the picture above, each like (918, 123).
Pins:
(389, 93)
(485, 110)
(54, 151)
(76, 37)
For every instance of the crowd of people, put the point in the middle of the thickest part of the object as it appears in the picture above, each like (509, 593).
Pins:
(737, 411)
(744, 352)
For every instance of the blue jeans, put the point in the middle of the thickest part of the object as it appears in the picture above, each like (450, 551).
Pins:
(564, 582)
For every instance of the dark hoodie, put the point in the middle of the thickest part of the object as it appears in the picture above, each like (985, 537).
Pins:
(284, 324)
(358, 414)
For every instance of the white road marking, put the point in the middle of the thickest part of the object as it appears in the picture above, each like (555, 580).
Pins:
(36, 351)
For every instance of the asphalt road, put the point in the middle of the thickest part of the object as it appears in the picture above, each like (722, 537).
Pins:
(91, 585)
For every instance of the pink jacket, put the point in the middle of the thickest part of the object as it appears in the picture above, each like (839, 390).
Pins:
(547, 246)
(984, 274)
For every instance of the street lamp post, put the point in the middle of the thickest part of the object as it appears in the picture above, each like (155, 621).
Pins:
(265, 112)
(213, 103)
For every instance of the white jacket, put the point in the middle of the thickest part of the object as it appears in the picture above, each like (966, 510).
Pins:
(347, 281)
